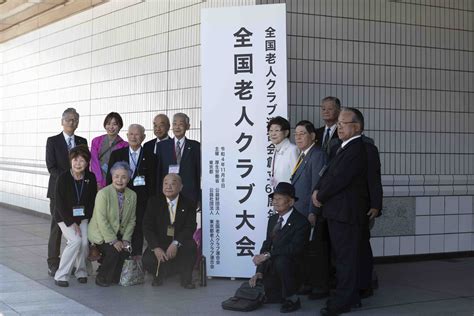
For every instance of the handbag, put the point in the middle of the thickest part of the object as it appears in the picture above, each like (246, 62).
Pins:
(132, 272)
(246, 298)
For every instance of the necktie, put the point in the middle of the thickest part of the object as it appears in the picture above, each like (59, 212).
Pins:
(133, 165)
(172, 212)
(339, 150)
(178, 151)
(69, 143)
(156, 145)
(298, 163)
(326, 138)
(277, 226)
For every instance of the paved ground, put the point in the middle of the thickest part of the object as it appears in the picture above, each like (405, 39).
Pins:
(443, 287)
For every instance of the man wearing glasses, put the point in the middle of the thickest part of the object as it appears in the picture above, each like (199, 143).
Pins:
(342, 193)
(57, 161)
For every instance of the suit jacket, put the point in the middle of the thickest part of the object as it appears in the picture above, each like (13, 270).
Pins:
(95, 153)
(105, 224)
(57, 158)
(305, 179)
(290, 240)
(66, 197)
(374, 177)
(342, 189)
(146, 166)
(320, 137)
(189, 169)
(150, 145)
(157, 220)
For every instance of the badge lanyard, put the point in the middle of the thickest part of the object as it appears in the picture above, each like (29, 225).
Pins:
(79, 193)
(137, 165)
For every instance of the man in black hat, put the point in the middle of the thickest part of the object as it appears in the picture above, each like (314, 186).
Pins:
(282, 250)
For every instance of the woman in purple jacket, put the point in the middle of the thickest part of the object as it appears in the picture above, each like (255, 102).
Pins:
(102, 147)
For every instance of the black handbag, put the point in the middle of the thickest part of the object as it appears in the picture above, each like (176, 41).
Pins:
(246, 298)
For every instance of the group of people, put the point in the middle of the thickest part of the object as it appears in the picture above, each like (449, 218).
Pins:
(120, 193)
(327, 190)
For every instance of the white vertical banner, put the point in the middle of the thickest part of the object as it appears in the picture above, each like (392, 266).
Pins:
(244, 83)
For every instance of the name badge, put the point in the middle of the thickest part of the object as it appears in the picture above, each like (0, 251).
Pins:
(139, 181)
(170, 231)
(173, 169)
(78, 211)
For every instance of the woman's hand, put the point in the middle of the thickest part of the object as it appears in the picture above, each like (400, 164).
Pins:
(118, 245)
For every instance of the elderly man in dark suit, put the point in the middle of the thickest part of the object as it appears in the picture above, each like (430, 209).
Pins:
(315, 271)
(161, 126)
(325, 135)
(181, 155)
(281, 253)
(342, 193)
(143, 166)
(169, 224)
(57, 161)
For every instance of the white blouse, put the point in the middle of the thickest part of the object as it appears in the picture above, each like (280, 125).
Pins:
(285, 158)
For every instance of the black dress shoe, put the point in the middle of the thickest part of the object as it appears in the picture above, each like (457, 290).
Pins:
(157, 282)
(290, 306)
(317, 296)
(365, 293)
(52, 271)
(100, 282)
(326, 311)
(62, 283)
(82, 280)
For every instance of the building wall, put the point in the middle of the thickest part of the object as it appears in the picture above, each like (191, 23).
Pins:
(134, 57)
(409, 66)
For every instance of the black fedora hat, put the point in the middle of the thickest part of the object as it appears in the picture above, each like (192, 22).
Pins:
(284, 188)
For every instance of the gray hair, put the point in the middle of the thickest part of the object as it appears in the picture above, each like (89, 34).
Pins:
(182, 116)
(121, 165)
(70, 111)
(137, 126)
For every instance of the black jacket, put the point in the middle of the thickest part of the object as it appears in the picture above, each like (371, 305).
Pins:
(66, 197)
(57, 158)
(157, 219)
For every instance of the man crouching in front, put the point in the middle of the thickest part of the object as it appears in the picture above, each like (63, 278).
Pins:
(168, 226)
(282, 250)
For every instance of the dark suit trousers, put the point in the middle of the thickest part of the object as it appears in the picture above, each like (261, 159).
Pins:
(345, 243)
(112, 263)
(315, 266)
(366, 259)
(183, 263)
(137, 237)
(280, 276)
(54, 242)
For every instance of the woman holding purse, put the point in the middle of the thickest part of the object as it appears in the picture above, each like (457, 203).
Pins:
(112, 224)
(75, 195)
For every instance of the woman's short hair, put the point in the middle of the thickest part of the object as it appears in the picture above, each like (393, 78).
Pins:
(80, 151)
(121, 165)
(280, 121)
(116, 116)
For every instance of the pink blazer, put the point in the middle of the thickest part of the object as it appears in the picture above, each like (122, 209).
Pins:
(95, 162)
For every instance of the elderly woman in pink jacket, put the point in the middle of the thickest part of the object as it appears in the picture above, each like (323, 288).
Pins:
(102, 147)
